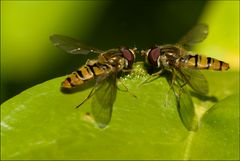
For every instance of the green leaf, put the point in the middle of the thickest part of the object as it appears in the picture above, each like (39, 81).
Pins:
(43, 123)
(219, 132)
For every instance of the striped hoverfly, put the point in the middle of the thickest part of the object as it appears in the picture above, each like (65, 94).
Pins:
(185, 67)
(104, 70)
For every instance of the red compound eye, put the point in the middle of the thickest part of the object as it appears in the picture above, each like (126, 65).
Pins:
(128, 55)
(153, 56)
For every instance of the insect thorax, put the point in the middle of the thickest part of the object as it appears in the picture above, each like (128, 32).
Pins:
(169, 59)
(163, 56)
(121, 59)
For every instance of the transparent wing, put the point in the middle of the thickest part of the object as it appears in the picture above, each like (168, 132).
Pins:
(103, 99)
(195, 35)
(195, 79)
(186, 107)
(71, 45)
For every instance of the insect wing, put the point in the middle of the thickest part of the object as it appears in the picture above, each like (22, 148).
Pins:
(72, 46)
(186, 108)
(196, 35)
(195, 79)
(103, 99)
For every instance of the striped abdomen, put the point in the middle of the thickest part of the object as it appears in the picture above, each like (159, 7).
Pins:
(83, 74)
(202, 62)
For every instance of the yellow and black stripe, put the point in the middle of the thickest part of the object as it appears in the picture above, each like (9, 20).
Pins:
(83, 74)
(202, 62)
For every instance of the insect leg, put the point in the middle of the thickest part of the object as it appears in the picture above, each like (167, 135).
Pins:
(180, 83)
(185, 83)
(172, 86)
(172, 80)
(151, 77)
(89, 96)
(99, 79)
(127, 89)
(180, 86)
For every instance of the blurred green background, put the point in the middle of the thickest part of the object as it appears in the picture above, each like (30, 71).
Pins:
(29, 58)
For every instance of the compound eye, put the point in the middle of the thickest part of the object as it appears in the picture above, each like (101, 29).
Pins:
(129, 56)
(153, 56)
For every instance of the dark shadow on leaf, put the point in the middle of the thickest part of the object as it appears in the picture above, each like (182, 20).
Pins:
(204, 97)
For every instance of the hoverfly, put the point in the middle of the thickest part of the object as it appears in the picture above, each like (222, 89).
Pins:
(104, 70)
(185, 67)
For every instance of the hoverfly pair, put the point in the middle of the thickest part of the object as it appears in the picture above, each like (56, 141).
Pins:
(105, 68)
